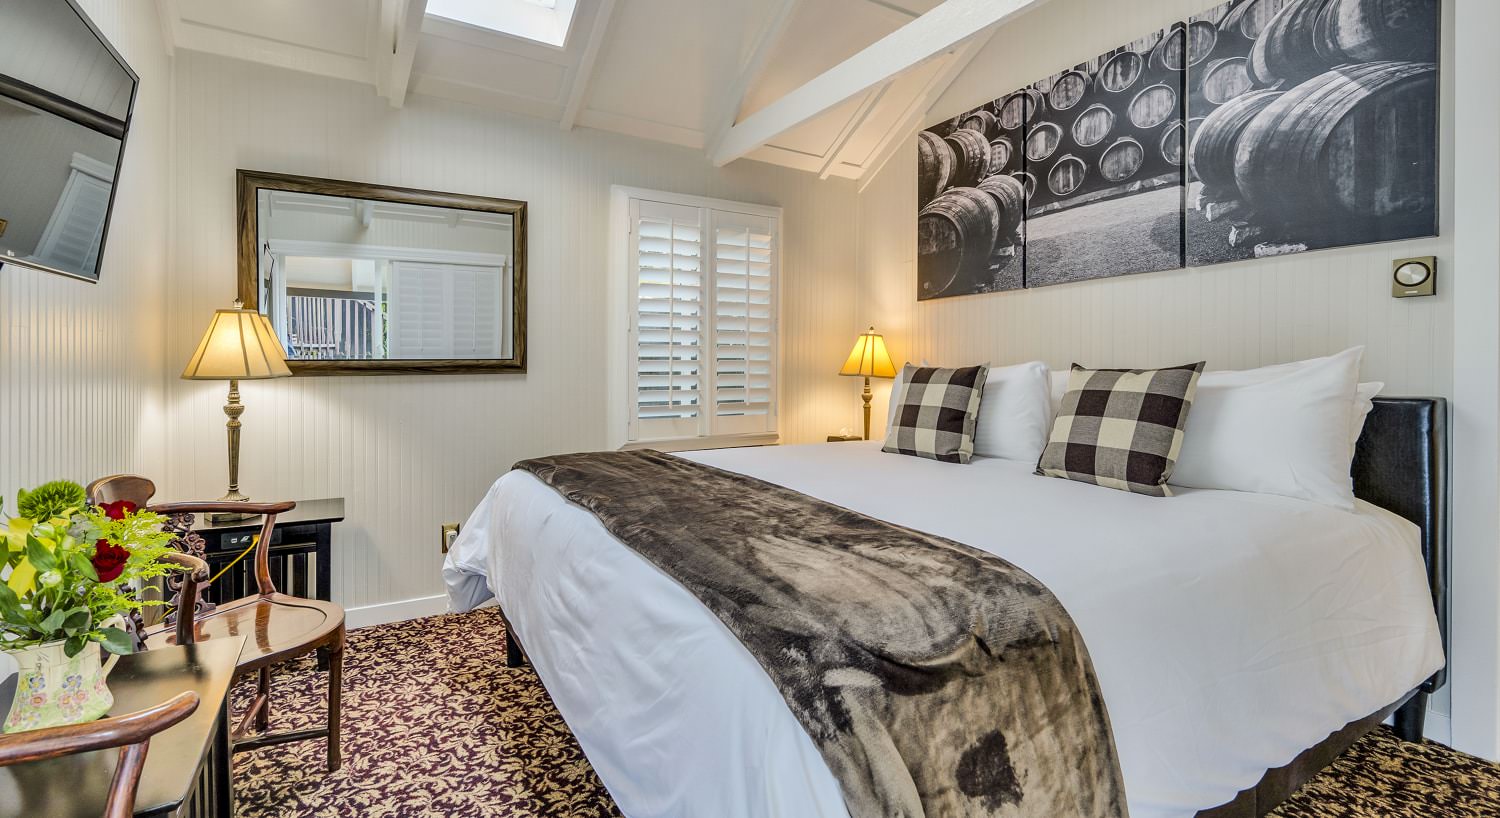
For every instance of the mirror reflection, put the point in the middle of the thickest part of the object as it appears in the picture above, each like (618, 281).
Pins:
(354, 279)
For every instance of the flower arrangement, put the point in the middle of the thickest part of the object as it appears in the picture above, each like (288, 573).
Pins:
(66, 573)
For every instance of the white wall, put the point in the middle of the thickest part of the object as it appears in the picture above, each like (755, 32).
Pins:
(81, 365)
(410, 452)
(1237, 315)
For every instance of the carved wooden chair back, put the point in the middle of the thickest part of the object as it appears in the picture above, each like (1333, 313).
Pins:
(131, 733)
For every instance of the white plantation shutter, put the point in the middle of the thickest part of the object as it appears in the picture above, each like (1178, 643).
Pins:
(702, 322)
(744, 330)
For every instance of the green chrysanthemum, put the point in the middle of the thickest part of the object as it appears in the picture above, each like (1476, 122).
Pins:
(50, 500)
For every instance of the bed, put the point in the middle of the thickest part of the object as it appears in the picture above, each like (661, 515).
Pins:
(1240, 640)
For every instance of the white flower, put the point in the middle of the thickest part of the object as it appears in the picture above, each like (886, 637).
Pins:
(50, 579)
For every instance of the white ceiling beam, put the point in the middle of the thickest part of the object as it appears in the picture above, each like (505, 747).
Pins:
(917, 112)
(760, 55)
(584, 74)
(851, 127)
(928, 36)
(404, 53)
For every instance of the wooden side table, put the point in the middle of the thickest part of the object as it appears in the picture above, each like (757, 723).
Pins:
(187, 770)
(843, 438)
(301, 551)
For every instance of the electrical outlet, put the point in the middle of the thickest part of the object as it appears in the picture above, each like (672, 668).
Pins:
(450, 533)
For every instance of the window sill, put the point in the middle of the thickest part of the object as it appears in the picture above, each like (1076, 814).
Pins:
(689, 444)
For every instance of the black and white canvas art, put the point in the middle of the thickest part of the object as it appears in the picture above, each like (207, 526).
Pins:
(1315, 125)
(1106, 148)
(1257, 128)
(972, 200)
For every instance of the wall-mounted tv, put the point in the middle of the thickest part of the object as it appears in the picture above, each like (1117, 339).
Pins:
(66, 97)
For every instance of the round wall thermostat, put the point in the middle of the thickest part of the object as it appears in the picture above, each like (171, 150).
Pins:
(1413, 273)
(1414, 277)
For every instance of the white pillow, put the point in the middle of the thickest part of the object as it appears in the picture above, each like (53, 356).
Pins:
(1285, 429)
(1015, 413)
(1364, 404)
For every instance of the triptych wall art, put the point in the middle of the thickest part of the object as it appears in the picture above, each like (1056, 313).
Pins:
(1257, 128)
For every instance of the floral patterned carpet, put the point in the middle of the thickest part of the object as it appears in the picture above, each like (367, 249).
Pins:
(435, 726)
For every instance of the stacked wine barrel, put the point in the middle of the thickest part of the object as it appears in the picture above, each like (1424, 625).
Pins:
(1329, 135)
(1111, 124)
(972, 207)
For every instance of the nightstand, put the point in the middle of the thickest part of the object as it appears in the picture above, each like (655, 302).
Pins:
(843, 438)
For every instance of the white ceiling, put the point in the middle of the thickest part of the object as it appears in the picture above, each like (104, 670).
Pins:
(675, 71)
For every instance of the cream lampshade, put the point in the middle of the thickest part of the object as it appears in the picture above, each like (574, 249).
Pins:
(870, 360)
(240, 344)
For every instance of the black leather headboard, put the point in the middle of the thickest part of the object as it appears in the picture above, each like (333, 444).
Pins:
(1401, 464)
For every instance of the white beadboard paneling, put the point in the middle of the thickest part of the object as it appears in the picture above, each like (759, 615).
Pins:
(81, 377)
(412, 452)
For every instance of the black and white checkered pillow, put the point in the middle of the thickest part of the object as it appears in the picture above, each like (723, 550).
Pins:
(936, 412)
(1121, 428)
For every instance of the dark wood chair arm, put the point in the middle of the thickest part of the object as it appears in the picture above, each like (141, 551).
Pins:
(221, 506)
(195, 574)
(133, 728)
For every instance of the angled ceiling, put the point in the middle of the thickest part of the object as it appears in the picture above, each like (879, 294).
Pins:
(683, 72)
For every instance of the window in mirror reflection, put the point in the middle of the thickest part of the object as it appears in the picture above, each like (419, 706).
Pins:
(353, 279)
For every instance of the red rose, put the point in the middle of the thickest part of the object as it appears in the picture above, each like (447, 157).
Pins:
(109, 560)
(118, 509)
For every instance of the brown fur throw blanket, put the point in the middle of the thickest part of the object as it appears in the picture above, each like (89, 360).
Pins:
(935, 679)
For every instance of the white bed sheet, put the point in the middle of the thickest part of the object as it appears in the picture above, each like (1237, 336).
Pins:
(1229, 631)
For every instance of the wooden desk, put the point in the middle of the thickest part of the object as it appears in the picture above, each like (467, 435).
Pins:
(187, 770)
(301, 551)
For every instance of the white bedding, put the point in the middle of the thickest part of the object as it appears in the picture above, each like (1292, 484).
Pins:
(1229, 631)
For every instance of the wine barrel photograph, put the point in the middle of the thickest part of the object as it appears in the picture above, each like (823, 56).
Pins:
(1108, 161)
(1328, 139)
(1255, 127)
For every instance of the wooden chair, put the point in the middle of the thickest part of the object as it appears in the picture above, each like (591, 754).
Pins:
(281, 627)
(131, 733)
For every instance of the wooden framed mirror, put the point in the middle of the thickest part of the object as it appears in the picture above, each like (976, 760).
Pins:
(362, 279)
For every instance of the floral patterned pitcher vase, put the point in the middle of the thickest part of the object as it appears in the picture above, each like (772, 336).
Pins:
(53, 689)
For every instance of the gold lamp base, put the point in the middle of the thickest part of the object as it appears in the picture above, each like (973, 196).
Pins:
(233, 408)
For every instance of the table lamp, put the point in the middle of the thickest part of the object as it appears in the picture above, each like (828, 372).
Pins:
(869, 359)
(240, 345)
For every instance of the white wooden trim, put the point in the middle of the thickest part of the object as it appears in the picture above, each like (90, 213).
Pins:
(620, 308)
(694, 444)
(195, 37)
(928, 36)
(388, 612)
(862, 113)
(583, 75)
(687, 200)
(760, 54)
(408, 33)
(170, 20)
(1475, 294)
(330, 249)
(918, 111)
(641, 128)
(93, 167)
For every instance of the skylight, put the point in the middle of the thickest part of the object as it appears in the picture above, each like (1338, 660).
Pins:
(542, 21)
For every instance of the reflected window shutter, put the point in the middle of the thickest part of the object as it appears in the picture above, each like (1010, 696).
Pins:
(667, 323)
(744, 319)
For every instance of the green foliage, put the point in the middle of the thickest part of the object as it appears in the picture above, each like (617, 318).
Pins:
(53, 591)
(54, 499)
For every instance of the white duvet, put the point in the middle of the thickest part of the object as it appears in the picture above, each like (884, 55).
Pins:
(1229, 631)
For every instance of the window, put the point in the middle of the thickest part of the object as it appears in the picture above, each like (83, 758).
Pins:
(542, 21)
(694, 302)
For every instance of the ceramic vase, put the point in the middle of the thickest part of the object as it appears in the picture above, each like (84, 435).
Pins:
(54, 689)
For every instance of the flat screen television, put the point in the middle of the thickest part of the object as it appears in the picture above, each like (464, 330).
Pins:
(66, 98)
